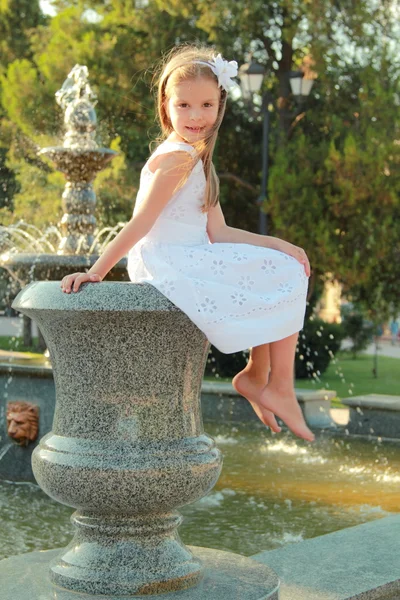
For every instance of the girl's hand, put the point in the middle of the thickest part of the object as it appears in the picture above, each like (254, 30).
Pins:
(297, 253)
(74, 281)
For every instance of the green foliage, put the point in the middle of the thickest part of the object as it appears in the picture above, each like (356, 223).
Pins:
(17, 19)
(357, 328)
(25, 100)
(224, 365)
(334, 176)
(338, 196)
(318, 343)
(116, 189)
(118, 50)
(8, 184)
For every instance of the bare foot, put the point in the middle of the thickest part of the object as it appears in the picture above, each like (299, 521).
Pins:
(251, 389)
(283, 403)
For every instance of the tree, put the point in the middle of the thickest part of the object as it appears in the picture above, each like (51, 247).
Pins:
(334, 177)
(118, 50)
(16, 20)
(333, 180)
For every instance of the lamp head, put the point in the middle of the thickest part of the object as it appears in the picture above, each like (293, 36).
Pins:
(251, 76)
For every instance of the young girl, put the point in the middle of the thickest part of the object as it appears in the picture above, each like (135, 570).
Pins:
(241, 289)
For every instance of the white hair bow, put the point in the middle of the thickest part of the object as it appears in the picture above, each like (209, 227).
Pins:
(223, 69)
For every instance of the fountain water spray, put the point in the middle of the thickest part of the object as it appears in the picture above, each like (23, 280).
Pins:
(80, 159)
(29, 254)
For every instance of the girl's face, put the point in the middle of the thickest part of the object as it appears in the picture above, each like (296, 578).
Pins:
(193, 107)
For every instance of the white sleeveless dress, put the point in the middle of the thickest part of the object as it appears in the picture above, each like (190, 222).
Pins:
(239, 295)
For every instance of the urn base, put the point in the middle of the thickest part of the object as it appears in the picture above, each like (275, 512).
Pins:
(139, 555)
(227, 576)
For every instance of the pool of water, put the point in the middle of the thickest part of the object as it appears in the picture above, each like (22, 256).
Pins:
(273, 490)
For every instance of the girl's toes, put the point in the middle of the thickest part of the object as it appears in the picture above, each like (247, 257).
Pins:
(271, 421)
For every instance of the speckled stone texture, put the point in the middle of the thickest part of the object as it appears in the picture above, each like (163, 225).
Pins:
(357, 563)
(374, 414)
(127, 445)
(227, 576)
(220, 402)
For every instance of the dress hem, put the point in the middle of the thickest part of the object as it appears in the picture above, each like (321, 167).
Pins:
(249, 336)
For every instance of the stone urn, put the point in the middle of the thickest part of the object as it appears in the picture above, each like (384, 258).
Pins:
(127, 445)
(127, 448)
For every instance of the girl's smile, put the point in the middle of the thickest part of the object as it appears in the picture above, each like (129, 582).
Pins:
(195, 129)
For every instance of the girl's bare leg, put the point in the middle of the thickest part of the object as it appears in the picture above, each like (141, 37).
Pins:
(278, 395)
(252, 380)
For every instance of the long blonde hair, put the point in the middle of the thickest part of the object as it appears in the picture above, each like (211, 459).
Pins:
(178, 66)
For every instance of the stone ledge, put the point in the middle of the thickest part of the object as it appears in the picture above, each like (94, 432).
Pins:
(303, 395)
(374, 414)
(380, 401)
(358, 563)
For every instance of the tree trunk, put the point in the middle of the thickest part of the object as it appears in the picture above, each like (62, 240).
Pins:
(41, 345)
(27, 330)
(285, 66)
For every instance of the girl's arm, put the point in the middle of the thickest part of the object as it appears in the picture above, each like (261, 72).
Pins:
(219, 231)
(167, 175)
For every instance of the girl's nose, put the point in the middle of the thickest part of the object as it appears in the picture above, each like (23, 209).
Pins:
(194, 115)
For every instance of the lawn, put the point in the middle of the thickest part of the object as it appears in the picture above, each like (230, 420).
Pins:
(353, 377)
(16, 344)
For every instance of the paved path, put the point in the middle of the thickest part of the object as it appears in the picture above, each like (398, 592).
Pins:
(13, 326)
(385, 348)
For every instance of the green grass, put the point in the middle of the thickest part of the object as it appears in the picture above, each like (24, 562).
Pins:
(15, 343)
(353, 377)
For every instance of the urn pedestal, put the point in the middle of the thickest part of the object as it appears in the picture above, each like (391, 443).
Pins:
(127, 446)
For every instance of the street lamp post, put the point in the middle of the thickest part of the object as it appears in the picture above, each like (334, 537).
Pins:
(251, 77)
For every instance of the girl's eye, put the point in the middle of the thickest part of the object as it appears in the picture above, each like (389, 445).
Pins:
(182, 105)
(207, 104)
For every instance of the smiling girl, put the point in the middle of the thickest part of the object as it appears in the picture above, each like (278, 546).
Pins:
(243, 290)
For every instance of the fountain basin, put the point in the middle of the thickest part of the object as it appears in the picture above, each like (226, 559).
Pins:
(273, 491)
(32, 380)
(79, 165)
(27, 267)
(374, 414)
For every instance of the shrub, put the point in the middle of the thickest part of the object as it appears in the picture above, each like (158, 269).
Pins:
(225, 365)
(356, 328)
(318, 343)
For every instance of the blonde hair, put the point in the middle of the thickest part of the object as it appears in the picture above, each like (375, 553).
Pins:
(178, 66)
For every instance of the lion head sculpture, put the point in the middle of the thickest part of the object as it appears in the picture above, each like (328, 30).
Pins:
(22, 422)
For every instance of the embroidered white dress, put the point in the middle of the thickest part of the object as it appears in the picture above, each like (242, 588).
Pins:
(239, 295)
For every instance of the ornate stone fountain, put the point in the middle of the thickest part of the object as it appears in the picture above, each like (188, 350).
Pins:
(28, 254)
(126, 449)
